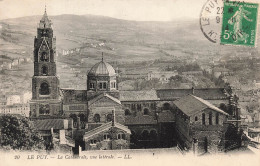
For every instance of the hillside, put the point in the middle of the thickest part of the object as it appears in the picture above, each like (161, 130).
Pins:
(121, 41)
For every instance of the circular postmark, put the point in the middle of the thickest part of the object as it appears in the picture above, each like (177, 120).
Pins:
(211, 19)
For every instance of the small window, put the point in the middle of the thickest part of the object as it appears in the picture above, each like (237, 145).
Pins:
(109, 117)
(100, 85)
(44, 89)
(106, 136)
(93, 142)
(121, 136)
(104, 85)
(217, 118)
(44, 70)
(146, 111)
(113, 85)
(127, 112)
(196, 118)
(92, 85)
(210, 118)
(203, 119)
(166, 106)
(96, 118)
(44, 57)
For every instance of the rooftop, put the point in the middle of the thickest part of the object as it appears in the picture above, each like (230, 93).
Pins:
(102, 68)
(191, 104)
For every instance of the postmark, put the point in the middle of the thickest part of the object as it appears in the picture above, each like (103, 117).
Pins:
(239, 24)
(211, 20)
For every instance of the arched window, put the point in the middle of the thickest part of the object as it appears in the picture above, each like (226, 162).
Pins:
(203, 119)
(120, 136)
(96, 118)
(92, 85)
(44, 110)
(127, 112)
(217, 118)
(146, 111)
(145, 135)
(196, 118)
(44, 57)
(44, 70)
(106, 137)
(73, 117)
(166, 106)
(109, 117)
(210, 118)
(82, 117)
(44, 89)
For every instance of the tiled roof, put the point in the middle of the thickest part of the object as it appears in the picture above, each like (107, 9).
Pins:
(206, 93)
(191, 104)
(101, 96)
(72, 96)
(138, 95)
(172, 94)
(47, 124)
(105, 127)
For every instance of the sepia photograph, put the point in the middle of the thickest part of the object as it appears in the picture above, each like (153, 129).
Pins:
(130, 82)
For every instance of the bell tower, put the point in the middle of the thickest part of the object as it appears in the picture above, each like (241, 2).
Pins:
(46, 101)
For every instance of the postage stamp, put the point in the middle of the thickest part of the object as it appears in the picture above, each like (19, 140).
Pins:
(239, 23)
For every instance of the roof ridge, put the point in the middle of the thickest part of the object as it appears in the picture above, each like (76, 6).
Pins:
(208, 104)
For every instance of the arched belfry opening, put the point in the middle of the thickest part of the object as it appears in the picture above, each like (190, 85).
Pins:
(44, 89)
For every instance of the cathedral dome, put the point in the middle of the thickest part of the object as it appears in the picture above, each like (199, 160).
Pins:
(102, 68)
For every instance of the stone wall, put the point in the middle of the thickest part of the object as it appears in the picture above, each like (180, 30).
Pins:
(98, 142)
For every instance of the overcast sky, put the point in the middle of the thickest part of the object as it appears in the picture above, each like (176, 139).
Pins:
(140, 10)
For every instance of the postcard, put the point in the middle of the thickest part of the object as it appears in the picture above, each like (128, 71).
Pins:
(117, 82)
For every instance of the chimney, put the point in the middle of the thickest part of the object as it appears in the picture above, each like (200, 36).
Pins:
(193, 90)
(62, 137)
(113, 117)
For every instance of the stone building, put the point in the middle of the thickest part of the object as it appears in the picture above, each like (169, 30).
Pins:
(109, 136)
(46, 99)
(199, 124)
(143, 119)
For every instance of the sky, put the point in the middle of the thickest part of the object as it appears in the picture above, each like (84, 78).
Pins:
(139, 10)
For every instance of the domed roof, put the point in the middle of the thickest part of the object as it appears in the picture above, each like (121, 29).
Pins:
(102, 68)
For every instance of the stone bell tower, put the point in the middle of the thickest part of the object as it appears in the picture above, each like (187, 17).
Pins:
(46, 101)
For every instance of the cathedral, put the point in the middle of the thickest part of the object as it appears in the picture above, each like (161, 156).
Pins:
(102, 117)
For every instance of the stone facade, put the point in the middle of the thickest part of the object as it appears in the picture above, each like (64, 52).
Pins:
(109, 136)
(202, 129)
(46, 99)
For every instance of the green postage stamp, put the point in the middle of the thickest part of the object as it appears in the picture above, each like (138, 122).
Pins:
(239, 26)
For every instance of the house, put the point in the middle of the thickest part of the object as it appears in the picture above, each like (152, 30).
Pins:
(163, 76)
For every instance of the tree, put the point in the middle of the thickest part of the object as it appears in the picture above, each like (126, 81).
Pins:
(17, 133)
